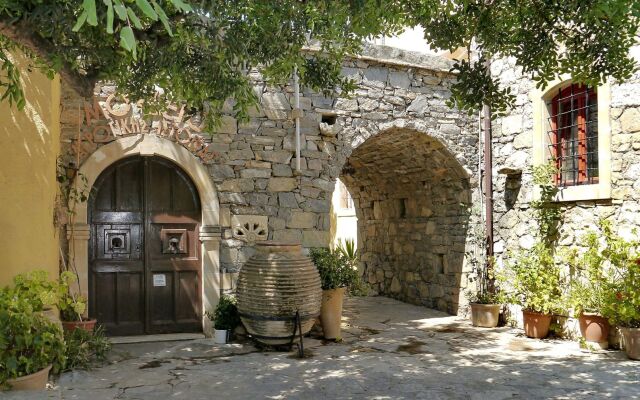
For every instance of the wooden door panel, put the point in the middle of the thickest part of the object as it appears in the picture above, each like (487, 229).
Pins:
(121, 308)
(130, 302)
(173, 249)
(128, 193)
(161, 298)
(188, 290)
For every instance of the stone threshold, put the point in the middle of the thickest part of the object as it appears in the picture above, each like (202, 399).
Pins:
(166, 337)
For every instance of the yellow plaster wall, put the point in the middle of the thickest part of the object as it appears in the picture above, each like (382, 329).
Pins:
(29, 146)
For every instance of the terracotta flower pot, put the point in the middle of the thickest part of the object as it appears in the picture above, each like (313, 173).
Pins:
(631, 338)
(331, 312)
(36, 381)
(594, 329)
(536, 325)
(485, 315)
(87, 325)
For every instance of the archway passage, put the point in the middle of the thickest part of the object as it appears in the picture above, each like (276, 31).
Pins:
(411, 197)
(145, 264)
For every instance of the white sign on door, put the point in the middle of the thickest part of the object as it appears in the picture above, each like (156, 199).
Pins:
(159, 280)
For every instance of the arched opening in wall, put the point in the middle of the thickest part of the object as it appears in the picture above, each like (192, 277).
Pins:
(344, 222)
(145, 269)
(411, 198)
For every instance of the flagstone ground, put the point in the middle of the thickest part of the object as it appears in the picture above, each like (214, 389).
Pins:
(390, 350)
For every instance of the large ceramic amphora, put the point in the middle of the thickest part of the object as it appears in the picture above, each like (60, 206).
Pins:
(273, 285)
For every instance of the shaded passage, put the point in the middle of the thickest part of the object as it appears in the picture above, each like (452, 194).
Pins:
(411, 198)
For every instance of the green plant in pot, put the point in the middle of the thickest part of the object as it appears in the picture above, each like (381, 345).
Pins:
(485, 297)
(30, 344)
(622, 298)
(590, 282)
(535, 282)
(533, 274)
(338, 271)
(73, 306)
(41, 292)
(225, 318)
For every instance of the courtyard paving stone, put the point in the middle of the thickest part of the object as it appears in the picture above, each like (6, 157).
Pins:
(390, 350)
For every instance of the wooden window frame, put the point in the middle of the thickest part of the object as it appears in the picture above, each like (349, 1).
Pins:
(577, 100)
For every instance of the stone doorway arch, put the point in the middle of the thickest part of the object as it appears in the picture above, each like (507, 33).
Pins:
(412, 199)
(150, 145)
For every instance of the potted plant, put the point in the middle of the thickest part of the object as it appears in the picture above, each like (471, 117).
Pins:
(534, 277)
(72, 306)
(622, 298)
(225, 318)
(337, 273)
(485, 299)
(30, 344)
(589, 285)
(42, 293)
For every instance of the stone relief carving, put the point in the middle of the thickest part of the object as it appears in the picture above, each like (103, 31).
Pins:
(249, 228)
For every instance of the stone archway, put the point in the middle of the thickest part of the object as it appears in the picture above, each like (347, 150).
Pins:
(411, 197)
(150, 145)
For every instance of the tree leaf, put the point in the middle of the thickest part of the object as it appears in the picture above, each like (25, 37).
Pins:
(120, 9)
(181, 5)
(90, 8)
(134, 18)
(163, 17)
(146, 8)
(127, 39)
(109, 5)
(81, 20)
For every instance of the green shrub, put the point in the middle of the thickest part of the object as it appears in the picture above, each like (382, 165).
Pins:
(621, 304)
(85, 349)
(225, 316)
(43, 293)
(29, 342)
(534, 280)
(336, 270)
(591, 279)
(36, 287)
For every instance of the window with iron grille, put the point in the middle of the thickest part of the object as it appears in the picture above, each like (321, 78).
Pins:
(573, 135)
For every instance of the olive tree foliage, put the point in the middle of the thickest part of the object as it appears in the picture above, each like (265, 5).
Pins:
(586, 39)
(200, 51)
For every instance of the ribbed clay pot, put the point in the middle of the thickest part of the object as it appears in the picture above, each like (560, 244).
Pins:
(594, 329)
(536, 325)
(272, 285)
(631, 338)
(485, 315)
(36, 381)
(331, 312)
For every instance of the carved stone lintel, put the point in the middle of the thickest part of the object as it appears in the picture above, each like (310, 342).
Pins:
(249, 228)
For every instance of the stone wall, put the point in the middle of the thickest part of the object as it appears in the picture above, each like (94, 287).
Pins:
(513, 138)
(394, 140)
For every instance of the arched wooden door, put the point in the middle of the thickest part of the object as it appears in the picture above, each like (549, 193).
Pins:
(145, 264)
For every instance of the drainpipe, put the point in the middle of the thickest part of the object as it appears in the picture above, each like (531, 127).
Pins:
(296, 112)
(488, 178)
